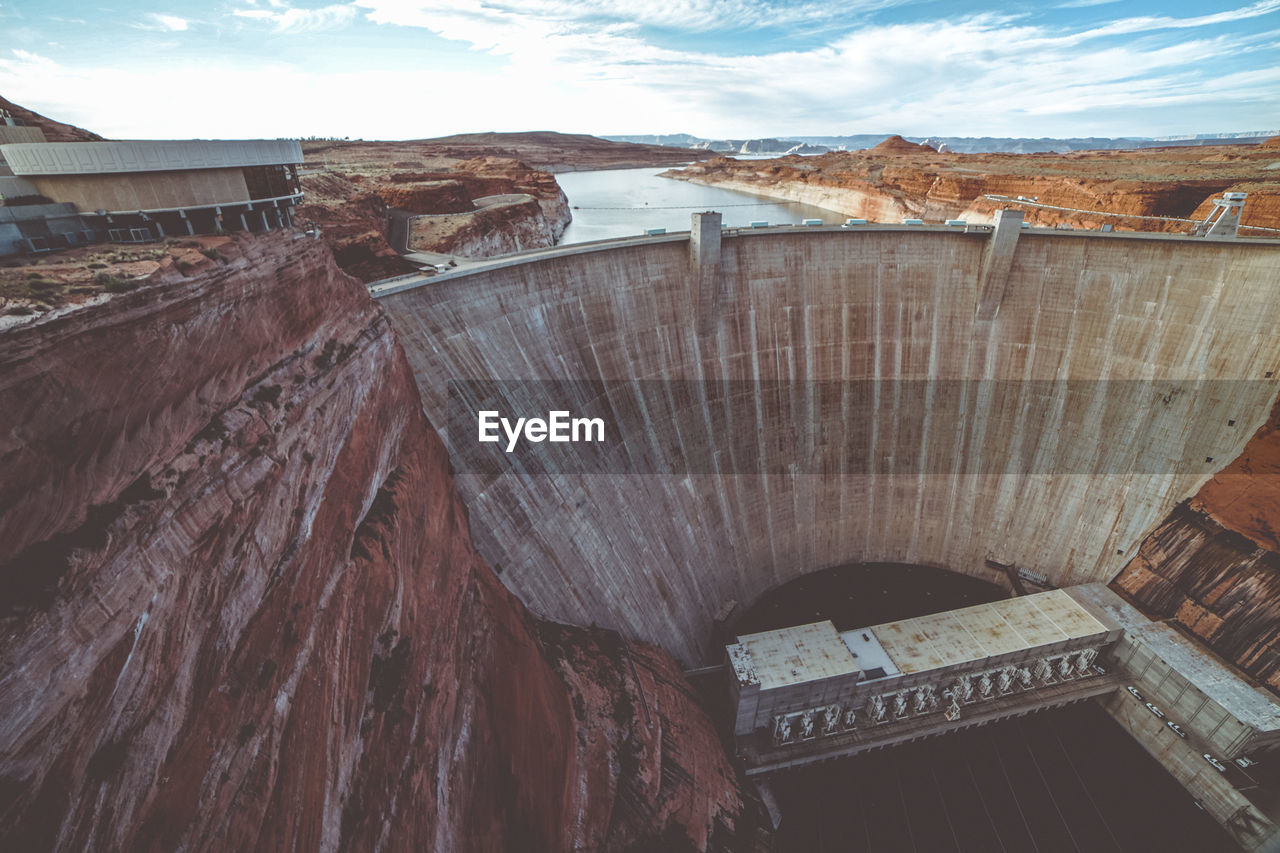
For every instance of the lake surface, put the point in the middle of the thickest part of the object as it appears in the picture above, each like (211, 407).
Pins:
(627, 202)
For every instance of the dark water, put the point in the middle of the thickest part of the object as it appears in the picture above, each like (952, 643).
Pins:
(1064, 780)
(1069, 779)
(863, 594)
(626, 202)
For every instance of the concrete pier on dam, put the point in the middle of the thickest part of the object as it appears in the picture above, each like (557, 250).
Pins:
(778, 401)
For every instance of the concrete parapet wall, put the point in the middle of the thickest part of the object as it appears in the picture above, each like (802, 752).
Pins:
(656, 555)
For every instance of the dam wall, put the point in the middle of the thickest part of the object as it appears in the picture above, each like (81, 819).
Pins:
(845, 402)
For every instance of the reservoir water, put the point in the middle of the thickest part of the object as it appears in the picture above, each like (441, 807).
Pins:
(627, 202)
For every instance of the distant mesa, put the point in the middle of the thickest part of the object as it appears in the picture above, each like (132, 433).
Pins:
(899, 145)
(1273, 142)
(962, 144)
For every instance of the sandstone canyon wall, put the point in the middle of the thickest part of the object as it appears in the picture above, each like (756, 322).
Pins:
(354, 200)
(1213, 566)
(498, 225)
(898, 179)
(241, 607)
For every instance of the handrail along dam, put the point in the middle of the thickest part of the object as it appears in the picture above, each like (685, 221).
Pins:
(801, 398)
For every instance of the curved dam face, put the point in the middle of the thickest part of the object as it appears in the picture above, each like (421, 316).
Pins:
(802, 399)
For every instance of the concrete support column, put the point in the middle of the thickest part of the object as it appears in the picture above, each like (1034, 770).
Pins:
(266, 226)
(186, 220)
(997, 260)
(704, 264)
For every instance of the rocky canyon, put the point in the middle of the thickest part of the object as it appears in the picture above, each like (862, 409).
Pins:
(471, 195)
(242, 607)
(898, 179)
(242, 602)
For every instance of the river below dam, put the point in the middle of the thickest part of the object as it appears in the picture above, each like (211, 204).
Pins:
(627, 202)
(1065, 780)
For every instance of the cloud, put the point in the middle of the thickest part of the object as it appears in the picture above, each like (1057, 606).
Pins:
(495, 24)
(169, 23)
(187, 87)
(926, 76)
(286, 19)
(614, 67)
(1146, 24)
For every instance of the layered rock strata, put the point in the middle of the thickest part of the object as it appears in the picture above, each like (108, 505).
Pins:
(898, 179)
(1213, 566)
(355, 206)
(242, 609)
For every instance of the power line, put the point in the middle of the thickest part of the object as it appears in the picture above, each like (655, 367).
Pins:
(1029, 203)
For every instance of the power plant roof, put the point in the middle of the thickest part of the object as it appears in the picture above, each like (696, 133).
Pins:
(86, 158)
(986, 630)
(798, 654)
(811, 652)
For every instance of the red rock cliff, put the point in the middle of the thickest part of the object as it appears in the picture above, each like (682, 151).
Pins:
(1213, 566)
(241, 607)
(355, 202)
(898, 179)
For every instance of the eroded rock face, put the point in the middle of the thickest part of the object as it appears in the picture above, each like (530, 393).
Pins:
(510, 208)
(515, 223)
(353, 201)
(241, 606)
(660, 770)
(898, 179)
(1213, 566)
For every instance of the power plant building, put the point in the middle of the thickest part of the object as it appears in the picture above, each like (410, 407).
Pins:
(804, 683)
(61, 194)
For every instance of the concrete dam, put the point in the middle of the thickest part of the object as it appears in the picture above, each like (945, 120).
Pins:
(779, 401)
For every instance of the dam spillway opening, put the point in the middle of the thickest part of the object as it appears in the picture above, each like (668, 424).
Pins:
(802, 399)
(864, 594)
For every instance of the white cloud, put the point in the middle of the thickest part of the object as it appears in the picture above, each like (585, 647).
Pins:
(171, 23)
(1134, 25)
(581, 67)
(982, 74)
(186, 89)
(469, 17)
(286, 19)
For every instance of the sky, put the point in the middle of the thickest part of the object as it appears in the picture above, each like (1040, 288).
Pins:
(405, 69)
